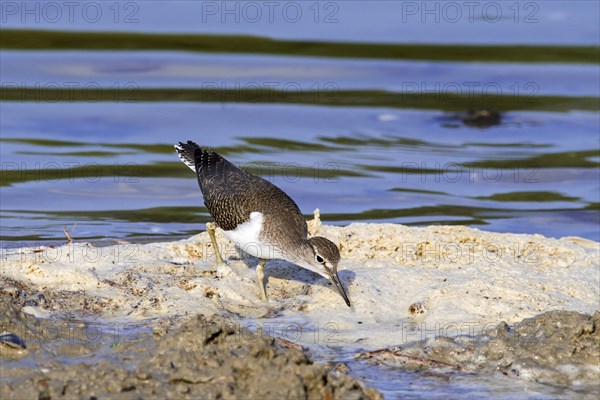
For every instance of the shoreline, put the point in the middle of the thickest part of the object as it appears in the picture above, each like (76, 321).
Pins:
(407, 286)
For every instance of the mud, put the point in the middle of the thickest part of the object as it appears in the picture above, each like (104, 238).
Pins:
(201, 359)
(122, 320)
(558, 348)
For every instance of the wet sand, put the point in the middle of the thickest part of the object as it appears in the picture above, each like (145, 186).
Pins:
(159, 319)
(203, 358)
(559, 348)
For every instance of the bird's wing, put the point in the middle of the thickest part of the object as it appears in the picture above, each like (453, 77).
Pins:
(231, 194)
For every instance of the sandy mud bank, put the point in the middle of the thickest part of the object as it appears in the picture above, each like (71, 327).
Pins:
(414, 292)
(201, 359)
(559, 348)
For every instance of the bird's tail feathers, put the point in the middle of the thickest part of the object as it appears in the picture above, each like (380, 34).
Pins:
(186, 153)
(198, 158)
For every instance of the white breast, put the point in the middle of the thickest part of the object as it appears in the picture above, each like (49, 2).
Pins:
(247, 237)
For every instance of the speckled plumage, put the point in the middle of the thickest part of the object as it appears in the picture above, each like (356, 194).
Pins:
(231, 194)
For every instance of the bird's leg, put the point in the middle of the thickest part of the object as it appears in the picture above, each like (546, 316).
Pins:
(210, 228)
(262, 282)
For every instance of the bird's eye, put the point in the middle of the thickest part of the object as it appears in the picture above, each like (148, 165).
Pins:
(319, 259)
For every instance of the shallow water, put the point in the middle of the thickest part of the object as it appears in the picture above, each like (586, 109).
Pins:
(363, 132)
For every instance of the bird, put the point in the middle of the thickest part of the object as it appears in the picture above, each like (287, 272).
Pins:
(258, 217)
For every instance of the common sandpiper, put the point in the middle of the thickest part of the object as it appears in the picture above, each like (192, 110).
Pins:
(258, 217)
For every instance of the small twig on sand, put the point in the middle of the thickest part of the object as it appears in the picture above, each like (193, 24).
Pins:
(68, 235)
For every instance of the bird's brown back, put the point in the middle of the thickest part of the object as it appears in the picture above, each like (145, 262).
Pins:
(231, 194)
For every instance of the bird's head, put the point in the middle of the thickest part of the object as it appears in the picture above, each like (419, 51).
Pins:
(322, 256)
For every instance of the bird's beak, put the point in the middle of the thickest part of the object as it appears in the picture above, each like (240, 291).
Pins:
(338, 286)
